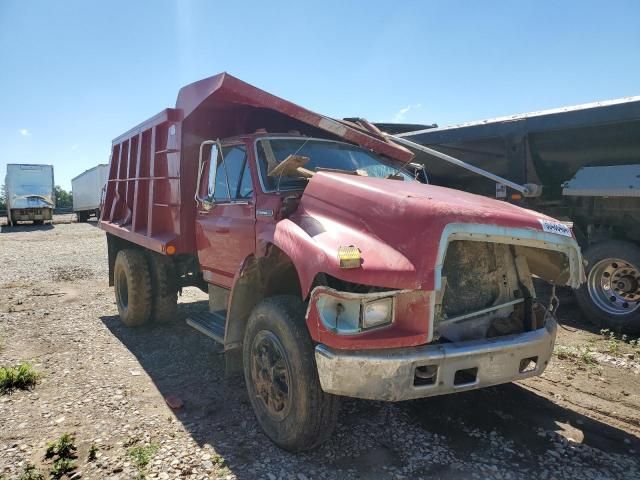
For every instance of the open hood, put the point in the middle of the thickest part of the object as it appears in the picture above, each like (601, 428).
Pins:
(233, 107)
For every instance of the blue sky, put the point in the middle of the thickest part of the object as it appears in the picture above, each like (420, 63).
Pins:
(75, 74)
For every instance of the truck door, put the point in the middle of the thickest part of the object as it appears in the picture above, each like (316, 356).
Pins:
(225, 227)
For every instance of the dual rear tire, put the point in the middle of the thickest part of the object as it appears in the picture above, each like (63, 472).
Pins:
(610, 298)
(145, 287)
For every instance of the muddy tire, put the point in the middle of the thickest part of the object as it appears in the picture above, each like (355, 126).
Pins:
(281, 376)
(610, 298)
(164, 291)
(132, 287)
(82, 217)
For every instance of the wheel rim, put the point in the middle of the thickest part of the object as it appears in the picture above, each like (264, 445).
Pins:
(614, 286)
(123, 290)
(271, 374)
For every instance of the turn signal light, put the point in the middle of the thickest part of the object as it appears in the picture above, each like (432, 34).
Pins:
(349, 257)
(170, 250)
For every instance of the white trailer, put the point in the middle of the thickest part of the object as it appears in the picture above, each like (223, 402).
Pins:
(87, 191)
(30, 193)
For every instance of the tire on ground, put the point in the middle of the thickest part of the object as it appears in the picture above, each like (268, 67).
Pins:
(614, 249)
(132, 287)
(164, 290)
(312, 415)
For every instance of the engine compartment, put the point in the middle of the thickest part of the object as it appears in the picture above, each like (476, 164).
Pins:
(487, 289)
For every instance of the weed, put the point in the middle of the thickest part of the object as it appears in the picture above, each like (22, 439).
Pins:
(219, 461)
(586, 357)
(564, 353)
(30, 472)
(23, 376)
(63, 447)
(93, 450)
(582, 356)
(62, 451)
(221, 466)
(142, 455)
(62, 466)
(615, 341)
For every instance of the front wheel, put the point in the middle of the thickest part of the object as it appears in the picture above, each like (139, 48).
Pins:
(281, 376)
(611, 296)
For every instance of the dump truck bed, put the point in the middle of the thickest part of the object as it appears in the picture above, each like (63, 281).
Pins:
(149, 198)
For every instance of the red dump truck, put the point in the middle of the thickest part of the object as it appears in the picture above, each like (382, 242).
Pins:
(330, 271)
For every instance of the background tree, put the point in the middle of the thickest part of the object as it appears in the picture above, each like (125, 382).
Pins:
(64, 199)
(3, 198)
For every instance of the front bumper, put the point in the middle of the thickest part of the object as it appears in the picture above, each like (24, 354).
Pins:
(391, 374)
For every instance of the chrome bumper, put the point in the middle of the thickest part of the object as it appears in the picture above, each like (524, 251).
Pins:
(391, 374)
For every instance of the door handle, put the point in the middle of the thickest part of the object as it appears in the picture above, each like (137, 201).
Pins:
(222, 230)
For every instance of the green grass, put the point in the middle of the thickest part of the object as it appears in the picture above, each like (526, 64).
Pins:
(142, 455)
(23, 377)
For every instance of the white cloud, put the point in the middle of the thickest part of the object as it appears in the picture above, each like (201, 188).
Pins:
(400, 114)
(24, 132)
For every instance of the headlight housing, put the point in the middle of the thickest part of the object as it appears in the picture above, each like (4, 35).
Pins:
(352, 313)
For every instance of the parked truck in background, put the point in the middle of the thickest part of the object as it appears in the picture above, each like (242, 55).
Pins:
(30, 193)
(330, 270)
(87, 191)
(582, 165)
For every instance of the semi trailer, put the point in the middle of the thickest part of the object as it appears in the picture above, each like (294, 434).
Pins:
(30, 193)
(580, 164)
(330, 270)
(87, 192)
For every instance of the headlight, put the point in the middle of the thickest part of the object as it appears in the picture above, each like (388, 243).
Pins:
(377, 313)
(347, 316)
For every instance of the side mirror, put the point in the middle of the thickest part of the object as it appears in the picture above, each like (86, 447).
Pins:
(216, 149)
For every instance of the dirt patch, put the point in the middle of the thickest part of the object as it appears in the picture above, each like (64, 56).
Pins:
(107, 384)
(70, 273)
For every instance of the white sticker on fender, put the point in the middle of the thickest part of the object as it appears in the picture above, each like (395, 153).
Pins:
(555, 227)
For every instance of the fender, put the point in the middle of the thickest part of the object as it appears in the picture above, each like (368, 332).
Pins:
(314, 250)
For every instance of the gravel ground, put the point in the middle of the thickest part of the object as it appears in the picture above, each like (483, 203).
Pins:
(108, 386)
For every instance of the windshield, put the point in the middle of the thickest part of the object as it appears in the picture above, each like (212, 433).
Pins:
(322, 154)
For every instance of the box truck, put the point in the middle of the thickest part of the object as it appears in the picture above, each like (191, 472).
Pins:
(330, 270)
(87, 191)
(30, 193)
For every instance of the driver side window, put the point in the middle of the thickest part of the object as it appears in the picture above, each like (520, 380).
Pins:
(233, 178)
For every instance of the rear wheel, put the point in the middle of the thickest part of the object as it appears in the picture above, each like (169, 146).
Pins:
(611, 296)
(282, 379)
(164, 289)
(132, 287)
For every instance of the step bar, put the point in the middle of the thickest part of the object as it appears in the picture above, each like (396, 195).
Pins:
(212, 324)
